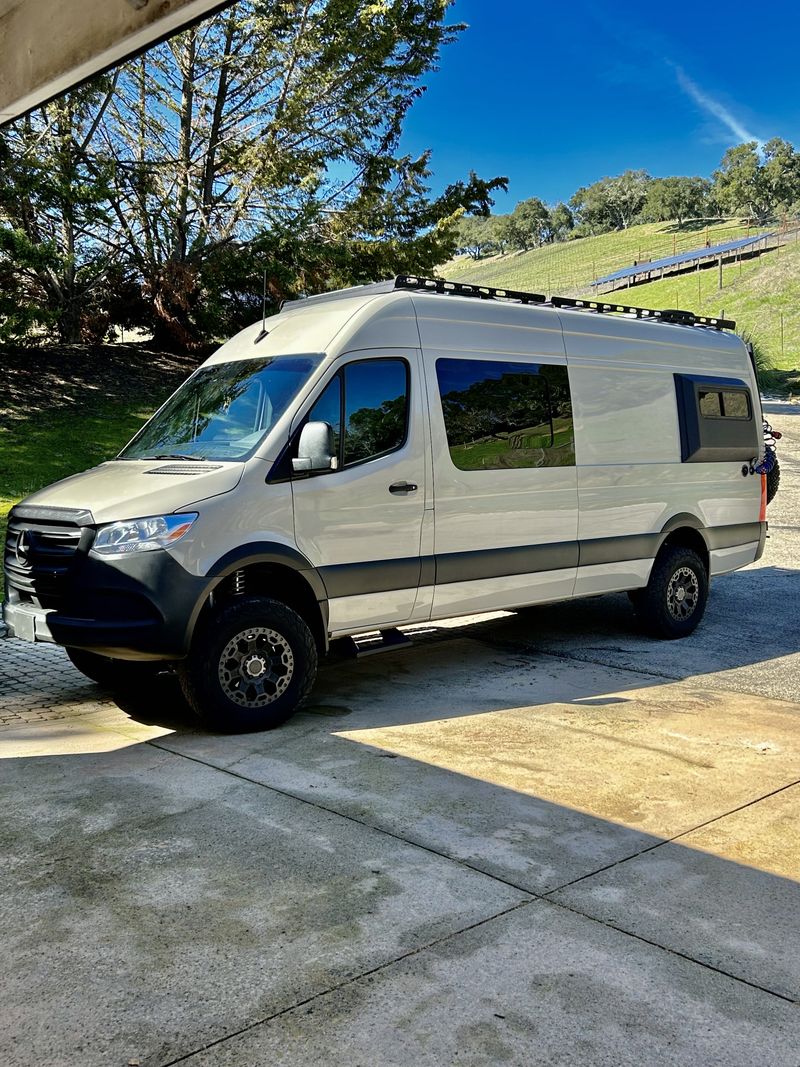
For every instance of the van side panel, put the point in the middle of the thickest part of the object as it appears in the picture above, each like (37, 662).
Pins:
(503, 537)
(631, 480)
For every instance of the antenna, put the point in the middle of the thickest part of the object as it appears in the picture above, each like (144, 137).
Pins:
(264, 330)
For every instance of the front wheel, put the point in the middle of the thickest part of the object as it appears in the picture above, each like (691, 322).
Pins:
(250, 665)
(674, 600)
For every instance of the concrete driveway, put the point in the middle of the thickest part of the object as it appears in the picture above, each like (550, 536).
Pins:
(531, 839)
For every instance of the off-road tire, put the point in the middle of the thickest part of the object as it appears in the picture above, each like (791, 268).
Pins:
(773, 481)
(247, 634)
(114, 674)
(674, 600)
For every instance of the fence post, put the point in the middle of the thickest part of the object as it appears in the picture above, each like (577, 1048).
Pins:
(720, 272)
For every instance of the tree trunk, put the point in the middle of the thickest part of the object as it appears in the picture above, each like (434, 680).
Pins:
(173, 290)
(68, 323)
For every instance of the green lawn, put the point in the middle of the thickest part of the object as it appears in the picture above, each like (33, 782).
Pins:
(34, 454)
(65, 410)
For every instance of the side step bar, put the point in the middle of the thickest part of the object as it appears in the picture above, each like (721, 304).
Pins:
(370, 644)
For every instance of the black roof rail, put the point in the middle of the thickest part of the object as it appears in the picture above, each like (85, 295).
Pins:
(671, 315)
(487, 292)
(483, 292)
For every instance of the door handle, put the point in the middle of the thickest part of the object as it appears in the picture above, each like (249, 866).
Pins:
(402, 488)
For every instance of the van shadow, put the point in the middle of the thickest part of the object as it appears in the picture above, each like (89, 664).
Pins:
(749, 627)
(604, 789)
(750, 622)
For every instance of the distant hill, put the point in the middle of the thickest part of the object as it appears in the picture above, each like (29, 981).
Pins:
(755, 293)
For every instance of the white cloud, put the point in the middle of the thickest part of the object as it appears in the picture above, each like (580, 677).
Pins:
(714, 107)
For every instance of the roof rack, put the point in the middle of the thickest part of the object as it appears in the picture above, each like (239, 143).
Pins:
(483, 292)
(487, 292)
(672, 315)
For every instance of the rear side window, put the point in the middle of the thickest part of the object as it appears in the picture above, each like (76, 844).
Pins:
(366, 403)
(716, 421)
(506, 415)
(724, 405)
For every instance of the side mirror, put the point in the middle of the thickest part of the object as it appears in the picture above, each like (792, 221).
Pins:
(315, 448)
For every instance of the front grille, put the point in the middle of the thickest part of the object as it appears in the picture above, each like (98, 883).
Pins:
(41, 549)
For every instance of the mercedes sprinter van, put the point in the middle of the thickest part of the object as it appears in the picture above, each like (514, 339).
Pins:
(388, 455)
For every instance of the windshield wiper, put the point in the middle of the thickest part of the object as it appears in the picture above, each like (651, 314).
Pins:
(171, 455)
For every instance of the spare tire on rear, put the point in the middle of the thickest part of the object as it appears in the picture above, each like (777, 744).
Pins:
(773, 481)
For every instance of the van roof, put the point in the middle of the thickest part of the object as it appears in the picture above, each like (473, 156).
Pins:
(408, 310)
(440, 286)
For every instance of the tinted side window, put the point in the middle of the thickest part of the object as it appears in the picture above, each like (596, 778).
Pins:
(716, 419)
(375, 408)
(724, 405)
(506, 415)
(375, 394)
(710, 405)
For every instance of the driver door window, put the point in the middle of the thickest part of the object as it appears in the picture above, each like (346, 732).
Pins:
(370, 399)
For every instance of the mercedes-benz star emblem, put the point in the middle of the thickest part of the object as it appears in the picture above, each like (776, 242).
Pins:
(23, 549)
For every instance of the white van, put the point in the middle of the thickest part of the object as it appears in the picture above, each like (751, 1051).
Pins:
(388, 455)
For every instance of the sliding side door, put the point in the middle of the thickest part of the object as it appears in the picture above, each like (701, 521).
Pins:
(505, 483)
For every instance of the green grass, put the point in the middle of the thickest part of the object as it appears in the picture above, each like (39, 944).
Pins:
(37, 452)
(64, 409)
(572, 265)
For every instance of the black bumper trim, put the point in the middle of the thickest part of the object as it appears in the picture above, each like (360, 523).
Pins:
(129, 607)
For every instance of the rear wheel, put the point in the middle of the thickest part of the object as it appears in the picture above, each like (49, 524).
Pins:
(251, 664)
(674, 600)
(114, 674)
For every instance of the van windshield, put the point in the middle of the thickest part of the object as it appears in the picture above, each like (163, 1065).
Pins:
(222, 412)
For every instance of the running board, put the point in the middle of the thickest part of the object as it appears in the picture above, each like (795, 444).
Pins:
(370, 644)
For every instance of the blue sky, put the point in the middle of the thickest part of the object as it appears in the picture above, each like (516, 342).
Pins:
(557, 95)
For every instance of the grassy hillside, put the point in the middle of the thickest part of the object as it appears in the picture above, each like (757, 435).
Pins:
(762, 295)
(63, 410)
(571, 265)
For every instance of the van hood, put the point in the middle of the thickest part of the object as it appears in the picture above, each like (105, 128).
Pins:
(134, 489)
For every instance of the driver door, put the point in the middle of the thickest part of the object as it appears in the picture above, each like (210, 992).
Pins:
(360, 525)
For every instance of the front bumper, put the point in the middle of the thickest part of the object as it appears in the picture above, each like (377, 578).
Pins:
(131, 607)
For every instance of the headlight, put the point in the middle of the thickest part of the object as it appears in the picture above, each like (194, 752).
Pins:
(142, 535)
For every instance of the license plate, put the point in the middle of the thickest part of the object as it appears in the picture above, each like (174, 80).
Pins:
(25, 626)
